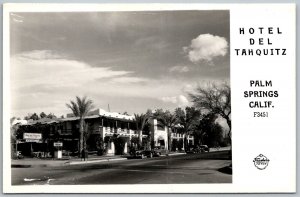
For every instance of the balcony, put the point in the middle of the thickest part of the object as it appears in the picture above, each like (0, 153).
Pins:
(123, 131)
(65, 132)
(177, 135)
(108, 130)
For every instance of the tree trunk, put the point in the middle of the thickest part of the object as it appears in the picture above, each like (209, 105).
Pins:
(201, 140)
(140, 138)
(81, 143)
(185, 141)
(169, 139)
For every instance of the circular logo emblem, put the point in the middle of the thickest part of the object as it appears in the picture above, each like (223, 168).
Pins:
(261, 162)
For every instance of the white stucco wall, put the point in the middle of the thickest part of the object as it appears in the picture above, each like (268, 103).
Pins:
(158, 134)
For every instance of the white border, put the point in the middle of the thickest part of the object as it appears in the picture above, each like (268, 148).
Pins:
(152, 188)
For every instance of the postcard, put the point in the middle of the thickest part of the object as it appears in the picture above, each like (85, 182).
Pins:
(149, 98)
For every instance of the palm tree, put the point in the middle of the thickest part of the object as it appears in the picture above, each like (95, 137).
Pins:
(169, 120)
(188, 119)
(80, 109)
(141, 121)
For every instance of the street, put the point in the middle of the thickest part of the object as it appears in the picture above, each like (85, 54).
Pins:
(190, 168)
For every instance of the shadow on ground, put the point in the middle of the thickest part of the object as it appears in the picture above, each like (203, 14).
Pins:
(226, 170)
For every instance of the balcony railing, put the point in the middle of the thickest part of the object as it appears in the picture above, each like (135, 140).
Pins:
(65, 131)
(109, 130)
(181, 135)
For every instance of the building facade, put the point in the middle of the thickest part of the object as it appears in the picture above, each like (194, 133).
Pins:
(114, 131)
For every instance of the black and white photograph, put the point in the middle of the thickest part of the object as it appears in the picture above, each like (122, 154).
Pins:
(149, 98)
(120, 97)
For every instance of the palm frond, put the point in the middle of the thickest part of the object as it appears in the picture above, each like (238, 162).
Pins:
(81, 107)
(73, 106)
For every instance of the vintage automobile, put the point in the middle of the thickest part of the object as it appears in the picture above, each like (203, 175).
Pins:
(198, 149)
(193, 150)
(19, 155)
(204, 148)
(145, 153)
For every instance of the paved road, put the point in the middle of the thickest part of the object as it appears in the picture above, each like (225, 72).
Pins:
(191, 168)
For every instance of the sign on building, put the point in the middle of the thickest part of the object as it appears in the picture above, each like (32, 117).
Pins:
(57, 144)
(32, 136)
(32, 140)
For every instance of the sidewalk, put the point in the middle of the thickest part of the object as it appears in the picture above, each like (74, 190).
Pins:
(98, 159)
(36, 162)
(175, 153)
(219, 149)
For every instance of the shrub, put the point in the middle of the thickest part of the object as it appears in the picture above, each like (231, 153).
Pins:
(119, 145)
(180, 144)
(100, 147)
(174, 144)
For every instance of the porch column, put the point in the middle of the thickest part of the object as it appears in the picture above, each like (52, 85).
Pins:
(166, 144)
(128, 128)
(125, 148)
(111, 150)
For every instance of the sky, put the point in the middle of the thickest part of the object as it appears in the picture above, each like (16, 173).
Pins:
(132, 61)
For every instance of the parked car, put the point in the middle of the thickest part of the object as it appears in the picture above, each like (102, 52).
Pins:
(146, 153)
(158, 151)
(19, 155)
(193, 150)
(141, 154)
(198, 149)
(204, 148)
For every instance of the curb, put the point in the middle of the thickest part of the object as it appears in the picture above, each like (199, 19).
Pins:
(66, 163)
(38, 165)
(174, 154)
(81, 162)
(94, 161)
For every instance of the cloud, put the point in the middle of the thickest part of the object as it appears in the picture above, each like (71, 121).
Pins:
(188, 88)
(46, 68)
(152, 42)
(17, 18)
(40, 55)
(223, 123)
(45, 80)
(206, 47)
(128, 80)
(180, 100)
(16, 15)
(179, 69)
(172, 99)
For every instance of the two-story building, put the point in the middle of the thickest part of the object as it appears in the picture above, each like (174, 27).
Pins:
(100, 126)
